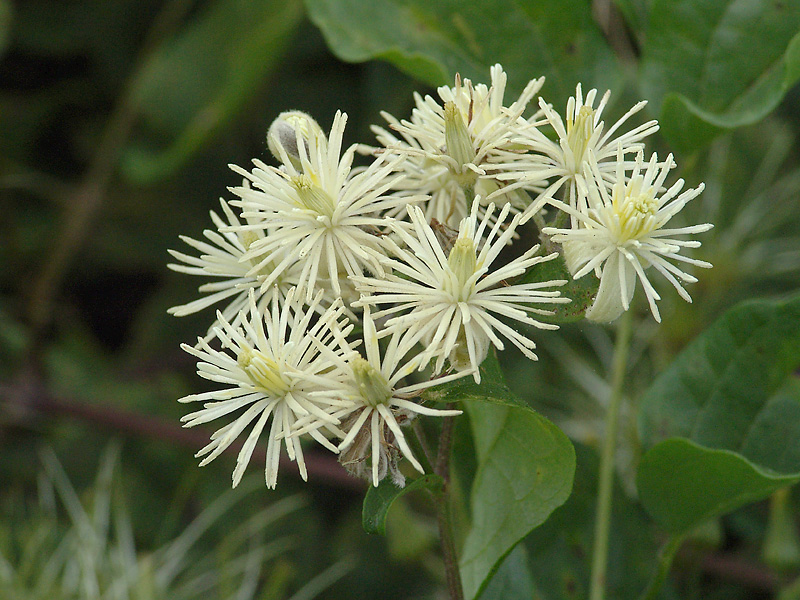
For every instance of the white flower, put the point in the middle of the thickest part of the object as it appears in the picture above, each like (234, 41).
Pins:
(268, 367)
(318, 214)
(452, 301)
(562, 162)
(377, 402)
(452, 144)
(624, 232)
(222, 259)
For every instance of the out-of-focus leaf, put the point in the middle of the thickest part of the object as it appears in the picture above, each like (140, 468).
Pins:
(434, 40)
(728, 397)
(683, 484)
(5, 24)
(379, 500)
(720, 391)
(512, 580)
(200, 80)
(635, 14)
(718, 63)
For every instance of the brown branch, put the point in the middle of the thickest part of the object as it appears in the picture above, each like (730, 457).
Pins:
(26, 400)
(731, 567)
(443, 514)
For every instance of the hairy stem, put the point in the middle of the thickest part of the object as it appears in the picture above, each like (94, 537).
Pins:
(444, 519)
(606, 485)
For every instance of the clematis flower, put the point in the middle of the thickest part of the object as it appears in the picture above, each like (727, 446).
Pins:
(562, 162)
(452, 144)
(267, 367)
(452, 300)
(377, 403)
(624, 232)
(329, 220)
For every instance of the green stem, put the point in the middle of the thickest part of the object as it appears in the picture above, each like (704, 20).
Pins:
(665, 557)
(443, 515)
(421, 446)
(606, 485)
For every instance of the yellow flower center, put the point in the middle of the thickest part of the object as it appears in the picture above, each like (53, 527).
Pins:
(313, 197)
(636, 212)
(263, 372)
(372, 385)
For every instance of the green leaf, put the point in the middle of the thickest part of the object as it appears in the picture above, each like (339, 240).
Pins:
(682, 483)
(558, 550)
(581, 291)
(718, 63)
(717, 391)
(727, 393)
(525, 468)
(492, 387)
(434, 40)
(379, 500)
(513, 579)
(199, 81)
(525, 471)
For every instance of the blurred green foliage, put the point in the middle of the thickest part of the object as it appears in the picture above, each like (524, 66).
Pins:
(144, 103)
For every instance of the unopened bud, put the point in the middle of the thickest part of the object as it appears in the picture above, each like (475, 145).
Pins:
(456, 136)
(283, 134)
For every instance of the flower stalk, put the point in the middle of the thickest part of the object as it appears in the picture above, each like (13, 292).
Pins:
(606, 484)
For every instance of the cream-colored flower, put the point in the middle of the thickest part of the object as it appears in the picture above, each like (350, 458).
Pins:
(221, 258)
(453, 300)
(562, 162)
(452, 144)
(377, 402)
(624, 232)
(268, 367)
(318, 214)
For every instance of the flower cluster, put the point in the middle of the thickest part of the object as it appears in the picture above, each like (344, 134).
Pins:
(347, 292)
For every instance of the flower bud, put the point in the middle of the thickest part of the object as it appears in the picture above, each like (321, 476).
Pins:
(283, 134)
(456, 136)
